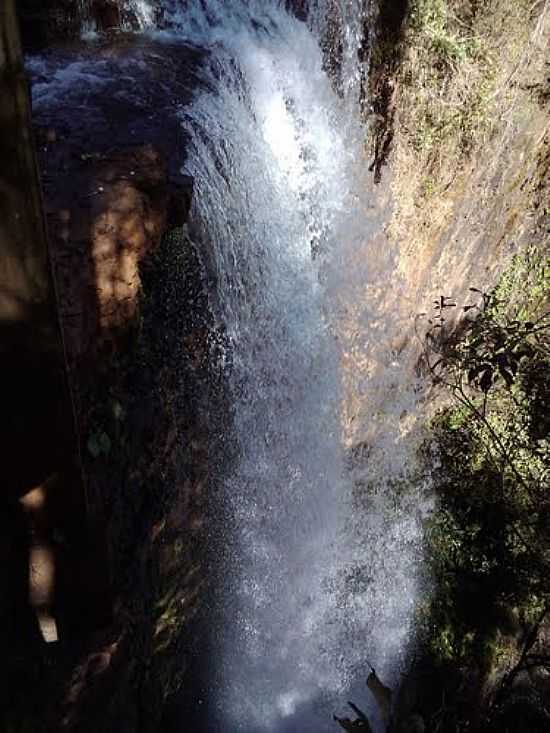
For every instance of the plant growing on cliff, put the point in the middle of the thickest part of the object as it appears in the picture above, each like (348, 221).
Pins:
(453, 73)
(490, 536)
(431, 18)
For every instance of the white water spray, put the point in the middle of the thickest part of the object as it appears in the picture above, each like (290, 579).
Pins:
(321, 509)
(142, 12)
(319, 575)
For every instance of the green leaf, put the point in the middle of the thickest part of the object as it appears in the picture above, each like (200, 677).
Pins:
(506, 375)
(486, 380)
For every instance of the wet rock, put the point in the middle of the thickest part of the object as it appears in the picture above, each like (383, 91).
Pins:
(106, 13)
(106, 212)
(524, 712)
(415, 724)
(41, 23)
(135, 324)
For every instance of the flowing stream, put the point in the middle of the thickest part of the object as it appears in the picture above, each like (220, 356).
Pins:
(318, 511)
(313, 579)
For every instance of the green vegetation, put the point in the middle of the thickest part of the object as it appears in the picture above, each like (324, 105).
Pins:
(432, 18)
(489, 538)
(451, 74)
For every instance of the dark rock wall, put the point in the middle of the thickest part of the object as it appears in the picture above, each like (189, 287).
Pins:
(42, 23)
(137, 331)
(45, 23)
(49, 585)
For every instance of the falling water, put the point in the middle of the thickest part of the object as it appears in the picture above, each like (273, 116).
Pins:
(317, 560)
(141, 12)
(87, 24)
(319, 501)
(272, 166)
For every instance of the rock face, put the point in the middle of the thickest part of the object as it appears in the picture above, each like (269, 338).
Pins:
(45, 23)
(463, 205)
(42, 489)
(53, 571)
(106, 13)
(106, 213)
(137, 336)
(42, 23)
(27, 308)
(110, 159)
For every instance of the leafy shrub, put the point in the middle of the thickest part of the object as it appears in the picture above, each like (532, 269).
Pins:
(489, 538)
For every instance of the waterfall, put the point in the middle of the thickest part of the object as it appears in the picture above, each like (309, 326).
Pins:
(141, 12)
(318, 500)
(315, 576)
(271, 161)
(87, 23)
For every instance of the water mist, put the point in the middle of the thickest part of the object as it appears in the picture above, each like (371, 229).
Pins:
(318, 506)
